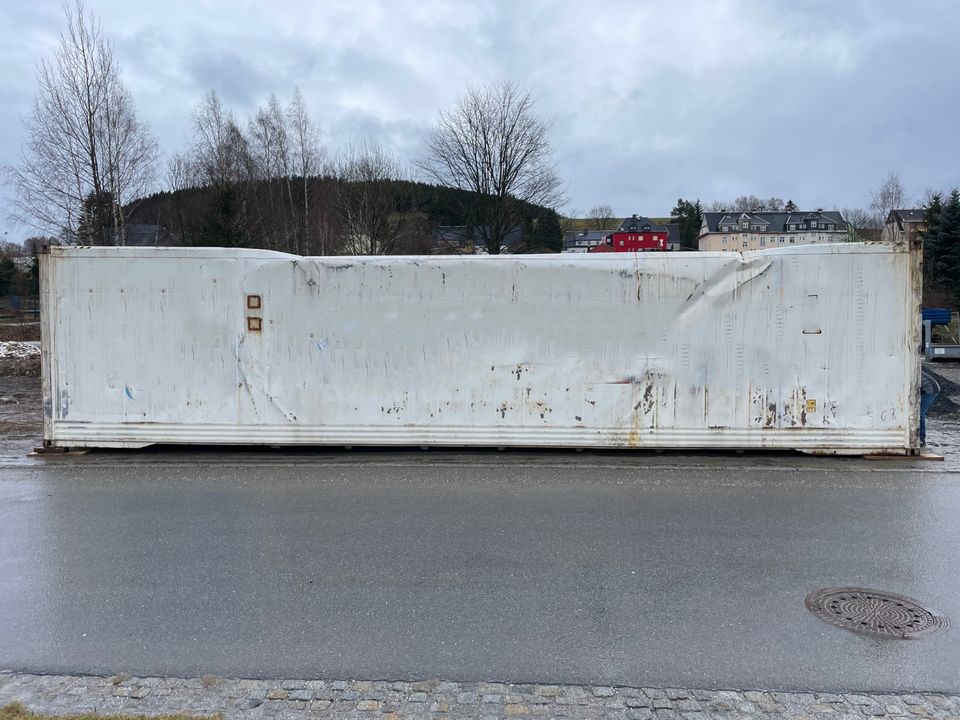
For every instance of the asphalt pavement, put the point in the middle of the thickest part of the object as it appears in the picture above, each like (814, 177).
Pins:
(640, 570)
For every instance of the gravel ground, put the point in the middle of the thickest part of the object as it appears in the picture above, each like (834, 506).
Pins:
(288, 699)
(947, 404)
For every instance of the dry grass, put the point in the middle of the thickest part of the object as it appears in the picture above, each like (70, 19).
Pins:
(12, 330)
(16, 711)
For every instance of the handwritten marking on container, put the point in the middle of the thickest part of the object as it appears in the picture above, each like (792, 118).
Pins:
(126, 391)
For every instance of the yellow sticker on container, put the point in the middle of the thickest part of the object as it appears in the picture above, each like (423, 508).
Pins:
(811, 406)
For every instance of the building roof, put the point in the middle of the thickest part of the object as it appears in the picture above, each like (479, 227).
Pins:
(773, 221)
(638, 223)
(673, 234)
(906, 216)
(583, 239)
(455, 237)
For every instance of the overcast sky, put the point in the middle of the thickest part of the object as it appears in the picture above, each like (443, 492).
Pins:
(805, 99)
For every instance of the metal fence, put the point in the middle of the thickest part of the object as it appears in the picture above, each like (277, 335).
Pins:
(19, 317)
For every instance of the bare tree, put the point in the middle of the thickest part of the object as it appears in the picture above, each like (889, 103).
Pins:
(270, 156)
(602, 217)
(306, 159)
(494, 145)
(889, 196)
(861, 224)
(748, 203)
(85, 151)
(366, 198)
(223, 164)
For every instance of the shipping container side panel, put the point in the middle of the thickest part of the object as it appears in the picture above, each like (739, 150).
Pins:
(701, 350)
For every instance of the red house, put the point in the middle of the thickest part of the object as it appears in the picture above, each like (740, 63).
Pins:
(635, 234)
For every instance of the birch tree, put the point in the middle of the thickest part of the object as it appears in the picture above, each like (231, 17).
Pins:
(85, 149)
(366, 198)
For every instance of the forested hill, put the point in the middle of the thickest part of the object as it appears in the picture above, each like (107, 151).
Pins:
(325, 216)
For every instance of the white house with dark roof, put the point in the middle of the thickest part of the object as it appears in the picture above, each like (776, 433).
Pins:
(737, 231)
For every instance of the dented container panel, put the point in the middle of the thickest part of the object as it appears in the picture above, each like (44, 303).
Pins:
(807, 348)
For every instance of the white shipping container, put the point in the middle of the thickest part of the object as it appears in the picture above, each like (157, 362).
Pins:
(810, 348)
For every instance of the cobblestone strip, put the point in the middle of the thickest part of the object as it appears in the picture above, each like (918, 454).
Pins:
(365, 700)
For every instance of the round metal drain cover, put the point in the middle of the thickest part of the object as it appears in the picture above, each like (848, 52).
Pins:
(876, 613)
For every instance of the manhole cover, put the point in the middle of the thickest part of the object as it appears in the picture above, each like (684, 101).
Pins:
(876, 613)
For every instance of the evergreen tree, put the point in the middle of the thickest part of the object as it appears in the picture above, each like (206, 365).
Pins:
(98, 220)
(791, 206)
(948, 265)
(689, 217)
(8, 272)
(932, 239)
(696, 221)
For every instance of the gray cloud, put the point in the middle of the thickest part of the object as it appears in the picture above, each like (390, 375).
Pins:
(812, 100)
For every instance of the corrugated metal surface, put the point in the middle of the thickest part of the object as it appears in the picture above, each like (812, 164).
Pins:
(809, 347)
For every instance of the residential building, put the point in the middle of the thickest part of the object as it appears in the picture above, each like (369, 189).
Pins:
(903, 226)
(738, 231)
(582, 241)
(467, 240)
(673, 236)
(636, 234)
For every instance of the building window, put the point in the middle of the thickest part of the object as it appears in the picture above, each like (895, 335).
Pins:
(791, 239)
(621, 243)
(763, 241)
(726, 228)
(745, 243)
(781, 238)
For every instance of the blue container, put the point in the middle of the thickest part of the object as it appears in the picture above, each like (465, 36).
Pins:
(936, 316)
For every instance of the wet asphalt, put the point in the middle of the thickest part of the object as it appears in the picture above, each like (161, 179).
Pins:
(624, 570)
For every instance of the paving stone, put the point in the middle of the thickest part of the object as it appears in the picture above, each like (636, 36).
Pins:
(666, 715)
(822, 707)
(491, 688)
(292, 699)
